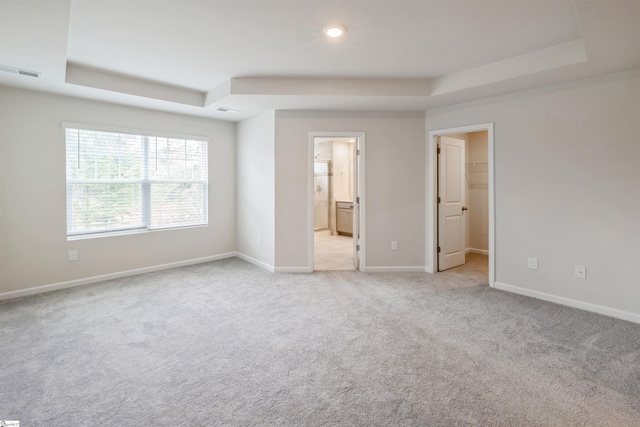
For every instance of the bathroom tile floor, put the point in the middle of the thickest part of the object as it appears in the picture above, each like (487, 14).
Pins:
(332, 252)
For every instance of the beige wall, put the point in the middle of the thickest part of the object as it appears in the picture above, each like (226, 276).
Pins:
(33, 199)
(477, 192)
(395, 186)
(255, 189)
(567, 174)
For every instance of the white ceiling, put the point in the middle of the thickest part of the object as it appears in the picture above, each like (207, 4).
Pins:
(193, 57)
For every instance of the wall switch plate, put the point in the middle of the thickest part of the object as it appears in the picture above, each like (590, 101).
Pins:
(73, 255)
(394, 246)
(533, 263)
(581, 271)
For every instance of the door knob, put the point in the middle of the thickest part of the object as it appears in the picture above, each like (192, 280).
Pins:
(464, 208)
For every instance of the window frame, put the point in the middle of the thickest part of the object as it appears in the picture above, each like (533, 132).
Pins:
(145, 183)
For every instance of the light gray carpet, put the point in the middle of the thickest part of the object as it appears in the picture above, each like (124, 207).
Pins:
(226, 343)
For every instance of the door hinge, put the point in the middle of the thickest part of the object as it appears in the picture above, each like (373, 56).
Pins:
(357, 247)
(357, 152)
(438, 249)
(438, 199)
(438, 150)
(358, 200)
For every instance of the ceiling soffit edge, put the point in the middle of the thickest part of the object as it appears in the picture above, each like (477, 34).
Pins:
(534, 62)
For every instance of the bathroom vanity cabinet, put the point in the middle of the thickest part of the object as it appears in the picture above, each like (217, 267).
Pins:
(344, 218)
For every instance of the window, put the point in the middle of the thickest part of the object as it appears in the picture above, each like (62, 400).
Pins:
(121, 180)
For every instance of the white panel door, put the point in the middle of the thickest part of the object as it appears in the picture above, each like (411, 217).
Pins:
(356, 208)
(451, 196)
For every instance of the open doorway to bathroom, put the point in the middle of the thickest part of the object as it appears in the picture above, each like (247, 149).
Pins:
(336, 236)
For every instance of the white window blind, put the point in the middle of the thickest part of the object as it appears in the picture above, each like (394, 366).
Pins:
(127, 181)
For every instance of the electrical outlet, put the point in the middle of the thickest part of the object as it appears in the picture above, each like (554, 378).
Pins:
(73, 255)
(259, 241)
(394, 246)
(581, 271)
(533, 263)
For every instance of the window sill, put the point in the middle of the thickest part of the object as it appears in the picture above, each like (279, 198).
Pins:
(129, 232)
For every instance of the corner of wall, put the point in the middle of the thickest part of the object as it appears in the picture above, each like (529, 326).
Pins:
(255, 189)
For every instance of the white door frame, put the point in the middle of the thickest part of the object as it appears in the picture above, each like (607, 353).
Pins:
(361, 181)
(431, 238)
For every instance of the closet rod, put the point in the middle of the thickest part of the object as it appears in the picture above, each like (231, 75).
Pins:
(478, 163)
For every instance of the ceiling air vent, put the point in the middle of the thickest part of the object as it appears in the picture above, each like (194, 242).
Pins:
(14, 70)
(228, 110)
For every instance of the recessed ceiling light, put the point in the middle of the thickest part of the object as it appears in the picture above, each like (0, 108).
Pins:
(335, 30)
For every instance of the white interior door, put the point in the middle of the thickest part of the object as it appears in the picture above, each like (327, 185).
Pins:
(356, 207)
(451, 200)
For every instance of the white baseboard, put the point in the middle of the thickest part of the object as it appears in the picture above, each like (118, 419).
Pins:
(428, 270)
(271, 268)
(595, 308)
(292, 270)
(255, 262)
(110, 276)
(477, 251)
(394, 269)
